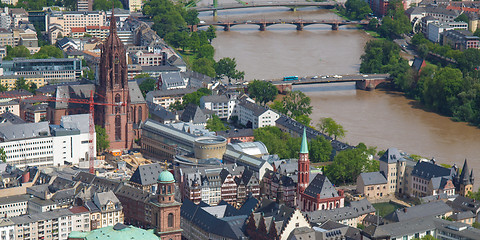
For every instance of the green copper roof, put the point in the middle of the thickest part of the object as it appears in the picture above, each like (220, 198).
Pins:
(117, 232)
(304, 147)
(166, 176)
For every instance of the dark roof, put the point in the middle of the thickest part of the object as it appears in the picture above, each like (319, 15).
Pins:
(17, 93)
(8, 117)
(321, 185)
(228, 227)
(133, 193)
(37, 107)
(255, 108)
(417, 63)
(193, 113)
(160, 112)
(147, 174)
(354, 210)
(373, 178)
(215, 99)
(171, 92)
(135, 93)
(419, 211)
(392, 155)
(428, 170)
(464, 203)
(466, 177)
(462, 215)
(247, 132)
(172, 79)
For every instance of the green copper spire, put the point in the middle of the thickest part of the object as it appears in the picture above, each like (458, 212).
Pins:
(304, 147)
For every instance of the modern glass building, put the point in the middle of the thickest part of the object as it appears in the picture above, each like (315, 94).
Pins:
(55, 70)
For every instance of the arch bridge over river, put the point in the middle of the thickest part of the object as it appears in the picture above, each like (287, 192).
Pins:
(215, 7)
(263, 24)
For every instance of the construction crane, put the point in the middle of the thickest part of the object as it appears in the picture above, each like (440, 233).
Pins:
(90, 101)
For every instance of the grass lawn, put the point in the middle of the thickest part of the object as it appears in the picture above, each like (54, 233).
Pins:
(187, 56)
(386, 208)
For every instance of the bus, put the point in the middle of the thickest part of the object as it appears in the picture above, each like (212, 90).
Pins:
(290, 78)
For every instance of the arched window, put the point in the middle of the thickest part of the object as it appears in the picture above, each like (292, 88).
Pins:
(117, 70)
(139, 117)
(117, 100)
(118, 128)
(170, 220)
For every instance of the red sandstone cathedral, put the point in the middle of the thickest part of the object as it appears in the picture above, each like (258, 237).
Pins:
(128, 109)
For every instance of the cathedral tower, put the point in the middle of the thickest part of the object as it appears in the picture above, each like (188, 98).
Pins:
(464, 181)
(113, 89)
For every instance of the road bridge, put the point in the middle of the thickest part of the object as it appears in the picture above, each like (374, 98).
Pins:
(299, 23)
(362, 81)
(293, 5)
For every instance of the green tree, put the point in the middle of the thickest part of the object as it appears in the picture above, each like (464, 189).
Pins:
(211, 33)
(303, 119)
(102, 139)
(278, 106)
(331, 128)
(194, 97)
(226, 67)
(147, 85)
(167, 17)
(204, 66)
(179, 39)
(262, 91)
(357, 9)
(18, 51)
(106, 5)
(3, 88)
(395, 23)
(320, 149)
(296, 103)
(48, 51)
(441, 90)
(276, 141)
(21, 83)
(205, 51)
(3, 155)
(32, 87)
(176, 106)
(427, 237)
(348, 164)
(89, 74)
(215, 124)
(191, 17)
(462, 18)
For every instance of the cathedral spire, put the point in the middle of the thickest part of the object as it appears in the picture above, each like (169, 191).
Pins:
(464, 176)
(113, 22)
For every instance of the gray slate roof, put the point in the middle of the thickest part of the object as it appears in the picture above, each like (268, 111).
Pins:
(392, 155)
(256, 109)
(247, 132)
(321, 185)
(193, 113)
(356, 208)
(77, 121)
(428, 170)
(172, 79)
(135, 93)
(215, 99)
(147, 174)
(373, 178)
(24, 131)
(10, 118)
(419, 211)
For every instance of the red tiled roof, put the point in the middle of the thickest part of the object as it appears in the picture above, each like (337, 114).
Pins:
(78, 29)
(78, 209)
(97, 27)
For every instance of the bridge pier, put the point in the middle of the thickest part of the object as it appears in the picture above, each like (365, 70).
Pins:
(299, 26)
(369, 84)
(334, 27)
(293, 9)
(215, 12)
(263, 27)
(226, 28)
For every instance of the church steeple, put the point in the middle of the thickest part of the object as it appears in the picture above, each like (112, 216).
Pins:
(464, 182)
(113, 22)
(303, 165)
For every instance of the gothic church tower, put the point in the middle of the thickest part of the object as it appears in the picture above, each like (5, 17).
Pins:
(303, 166)
(113, 89)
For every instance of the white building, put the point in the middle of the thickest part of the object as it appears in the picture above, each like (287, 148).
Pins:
(5, 19)
(220, 104)
(434, 30)
(13, 206)
(38, 144)
(253, 115)
(7, 229)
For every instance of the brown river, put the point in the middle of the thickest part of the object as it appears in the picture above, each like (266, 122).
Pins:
(376, 118)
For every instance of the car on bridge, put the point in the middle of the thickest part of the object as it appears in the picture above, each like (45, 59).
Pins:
(337, 76)
(314, 77)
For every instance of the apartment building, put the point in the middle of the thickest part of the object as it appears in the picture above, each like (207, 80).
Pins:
(9, 80)
(55, 224)
(148, 59)
(436, 29)
(106, 210)
(10, 105)
(13, 206)
(6, 37)
(460, 39)
(165, 98)
(222, 105)
(19, 15)
(53, 69)
(7, 229)
(35, 112)
(84, 5)
(63, 22)
(38, 144)
(253, 115)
